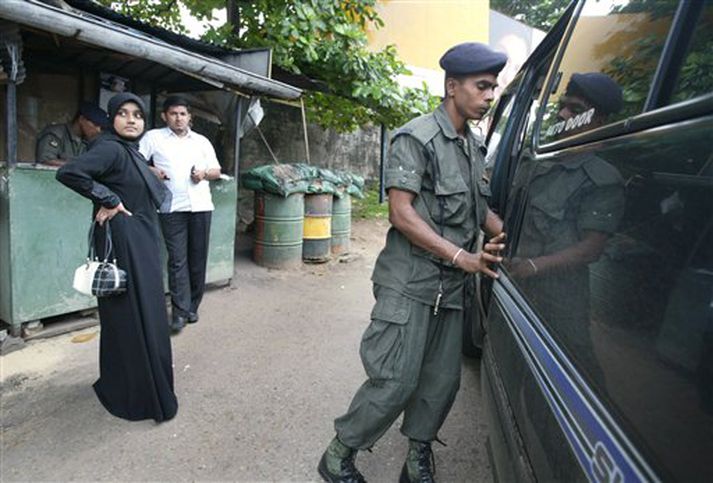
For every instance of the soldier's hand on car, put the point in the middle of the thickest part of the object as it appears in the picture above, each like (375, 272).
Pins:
(105, 214)
(481, 261)
(495, 245)
(478, 262)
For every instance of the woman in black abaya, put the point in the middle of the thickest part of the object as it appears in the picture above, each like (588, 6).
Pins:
(135, 372)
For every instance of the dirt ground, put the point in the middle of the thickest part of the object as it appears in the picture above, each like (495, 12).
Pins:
(259, 381)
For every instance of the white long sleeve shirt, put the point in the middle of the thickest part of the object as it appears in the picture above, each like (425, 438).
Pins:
(176, 156)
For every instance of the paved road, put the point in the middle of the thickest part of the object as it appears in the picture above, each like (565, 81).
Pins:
(259, 379)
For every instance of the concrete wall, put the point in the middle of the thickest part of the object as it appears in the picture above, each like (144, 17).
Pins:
(357, 152)
(282, 128)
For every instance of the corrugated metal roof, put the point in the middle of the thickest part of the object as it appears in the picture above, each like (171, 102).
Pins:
(105, 33)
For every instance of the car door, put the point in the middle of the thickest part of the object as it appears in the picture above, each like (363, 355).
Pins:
(598, 346)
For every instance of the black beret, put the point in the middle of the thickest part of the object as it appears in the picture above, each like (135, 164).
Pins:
(472, 58)
(94, 113)
(599, 89)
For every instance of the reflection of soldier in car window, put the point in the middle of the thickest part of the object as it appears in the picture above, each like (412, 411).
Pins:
(574, 205)
(586, 104)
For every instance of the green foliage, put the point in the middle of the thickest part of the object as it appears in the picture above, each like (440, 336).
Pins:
(634, 71)
(369, 208)
(322, 39)
(541, 14)
(655, 8)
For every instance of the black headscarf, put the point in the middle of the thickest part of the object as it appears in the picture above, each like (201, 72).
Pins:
(115, 104)
(160, 195)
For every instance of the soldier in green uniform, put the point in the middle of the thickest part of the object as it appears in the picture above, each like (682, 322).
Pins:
(58, 143)
(438, 196)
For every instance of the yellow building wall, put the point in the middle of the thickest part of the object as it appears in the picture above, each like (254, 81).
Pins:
(422, 30)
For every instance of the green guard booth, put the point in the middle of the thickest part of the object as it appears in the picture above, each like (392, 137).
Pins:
(43, 239)
(56, 58)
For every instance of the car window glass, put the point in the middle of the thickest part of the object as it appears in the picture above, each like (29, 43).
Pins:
(695, 78)
(607, 68)
(518, 170)
(615, 256)
(497, 131)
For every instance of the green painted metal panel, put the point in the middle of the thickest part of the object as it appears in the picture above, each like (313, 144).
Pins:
(5, 272)
(47, 240)
(43, 238)
(221, 252)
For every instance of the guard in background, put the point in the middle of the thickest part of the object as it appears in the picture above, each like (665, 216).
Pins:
(185, 160)
(438, 196)
(58, 143)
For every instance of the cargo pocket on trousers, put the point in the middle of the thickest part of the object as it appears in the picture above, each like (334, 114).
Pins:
(382, 346)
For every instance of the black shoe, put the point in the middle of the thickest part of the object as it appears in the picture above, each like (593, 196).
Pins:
(420, 465)
(192, 318)
(337, 464)
(178, 322)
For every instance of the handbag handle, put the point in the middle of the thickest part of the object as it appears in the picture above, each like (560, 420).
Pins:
(108, 245)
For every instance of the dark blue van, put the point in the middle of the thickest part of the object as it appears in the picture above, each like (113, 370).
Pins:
(597, 359)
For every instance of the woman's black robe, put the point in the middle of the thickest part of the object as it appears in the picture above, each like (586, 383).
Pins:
(135, 367)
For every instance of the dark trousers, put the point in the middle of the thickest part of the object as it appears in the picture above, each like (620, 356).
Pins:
(187, 235)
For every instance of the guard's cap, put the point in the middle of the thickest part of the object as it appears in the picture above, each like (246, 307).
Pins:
(94, 113)
(472, 58)
(599, 89)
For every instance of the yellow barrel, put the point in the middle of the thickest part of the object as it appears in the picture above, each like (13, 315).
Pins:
(341, 224)
(317, 233)
(278, 230)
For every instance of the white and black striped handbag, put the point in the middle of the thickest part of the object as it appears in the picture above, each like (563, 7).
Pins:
(101, 278)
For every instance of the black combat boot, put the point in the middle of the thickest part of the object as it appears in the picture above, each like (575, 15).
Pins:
(337, 464)
(419, 466)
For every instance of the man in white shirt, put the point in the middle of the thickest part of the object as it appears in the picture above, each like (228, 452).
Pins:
(185, 160)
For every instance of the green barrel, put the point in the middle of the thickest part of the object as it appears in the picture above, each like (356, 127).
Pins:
(278, 230)
(317, 227)
(341, 224)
